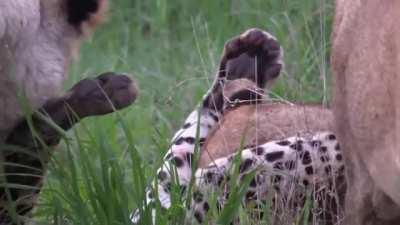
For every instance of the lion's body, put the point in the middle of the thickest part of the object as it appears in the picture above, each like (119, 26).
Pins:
(37, 41)
(366, 65)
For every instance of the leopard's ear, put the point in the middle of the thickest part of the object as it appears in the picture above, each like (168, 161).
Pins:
(85, 14)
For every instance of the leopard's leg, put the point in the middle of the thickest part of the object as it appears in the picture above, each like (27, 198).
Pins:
(254, 55)
(252, 45)
(24, 159)
(312, 163)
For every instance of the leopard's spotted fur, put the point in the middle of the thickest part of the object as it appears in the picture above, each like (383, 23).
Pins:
(295, 165)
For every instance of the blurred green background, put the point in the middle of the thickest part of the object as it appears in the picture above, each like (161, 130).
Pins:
(172, 49)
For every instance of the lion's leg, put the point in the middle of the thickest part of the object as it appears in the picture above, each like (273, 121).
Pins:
(29, 148)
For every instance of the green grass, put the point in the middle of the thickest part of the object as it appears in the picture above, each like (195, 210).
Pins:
(172, 49)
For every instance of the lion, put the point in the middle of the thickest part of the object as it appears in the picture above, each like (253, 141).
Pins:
(366, 65)
(38, 40)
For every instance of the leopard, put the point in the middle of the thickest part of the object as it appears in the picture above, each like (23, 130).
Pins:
(296, 164)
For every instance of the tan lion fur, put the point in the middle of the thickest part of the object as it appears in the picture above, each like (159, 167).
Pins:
(366, 68)
(36, 46)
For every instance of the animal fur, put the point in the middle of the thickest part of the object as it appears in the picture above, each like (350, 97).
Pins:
(37, 41)
(366, 65)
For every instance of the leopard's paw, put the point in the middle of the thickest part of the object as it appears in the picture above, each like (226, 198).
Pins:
(255, 55)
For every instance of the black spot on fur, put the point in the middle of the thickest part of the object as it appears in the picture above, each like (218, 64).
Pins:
(258, 150)
(209, 176)
(227, 178)
(306, 158)
(206, 206)
(190, 140)
(253, 182)
(276, 179)
(325, 158)
(273, 156)
(202, 141)
(309, 170)
(250, 195)
(79, 11)
(341, 169)
(331, 137)
(339, 157)
(168, 156)
(167, 187)
(150, 195)
(198, 197)
(298, 145)
(278, 166)
(245, 165)
(186, 125)
(306, 183)
(220, 180)
(162, 175)
(323, 149)
(283, 143)
(337, 147)
(316, 143)
(227, 194)
(328, 169)
(215, 117)
(179, 141)
(178, 162)
(290, 165)
(198, 216)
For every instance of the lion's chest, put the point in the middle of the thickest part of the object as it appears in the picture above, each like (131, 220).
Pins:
(31, 71)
